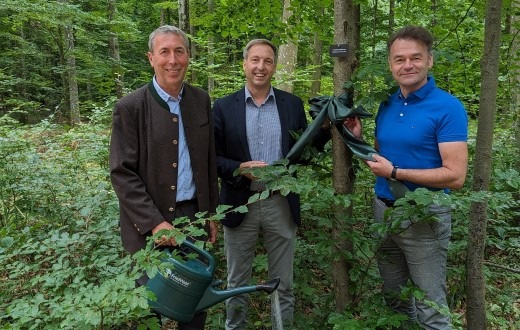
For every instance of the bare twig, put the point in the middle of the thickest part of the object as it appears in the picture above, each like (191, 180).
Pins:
(517, 271)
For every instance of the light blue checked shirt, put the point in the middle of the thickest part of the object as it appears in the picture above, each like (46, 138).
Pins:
(264, 132)
(185, 183)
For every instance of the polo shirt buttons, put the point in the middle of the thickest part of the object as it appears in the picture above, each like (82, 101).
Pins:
(171, 209)
(175, 142)
(174, 165)
(173, 187)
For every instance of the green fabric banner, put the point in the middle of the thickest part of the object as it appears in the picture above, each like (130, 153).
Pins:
(337, 109)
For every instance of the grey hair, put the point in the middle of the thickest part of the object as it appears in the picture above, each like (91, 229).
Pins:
(165, 29)
(259, 42)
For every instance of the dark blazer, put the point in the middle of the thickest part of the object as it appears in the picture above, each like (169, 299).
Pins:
(229, 118)
(144, 157)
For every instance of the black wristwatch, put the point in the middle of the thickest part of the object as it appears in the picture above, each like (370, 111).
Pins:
(393, 176)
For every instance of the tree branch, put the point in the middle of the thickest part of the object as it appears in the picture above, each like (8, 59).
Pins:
(517, 271)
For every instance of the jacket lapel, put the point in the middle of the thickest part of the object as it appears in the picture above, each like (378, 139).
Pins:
(240, 118)
(283, 113)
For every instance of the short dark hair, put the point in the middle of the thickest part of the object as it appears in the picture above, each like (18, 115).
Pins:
(259, 42)
(412, 32)
(165, 29)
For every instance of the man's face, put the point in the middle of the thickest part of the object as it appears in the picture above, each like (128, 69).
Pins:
(169, 59)
(259, 66)
(409, 62)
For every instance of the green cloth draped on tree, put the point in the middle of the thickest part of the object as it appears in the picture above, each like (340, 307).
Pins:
(336, 109)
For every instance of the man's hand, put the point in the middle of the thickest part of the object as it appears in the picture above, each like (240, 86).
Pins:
(164, 241)
(381, 166)
(213, 230)
(353, 124)
(251, 164)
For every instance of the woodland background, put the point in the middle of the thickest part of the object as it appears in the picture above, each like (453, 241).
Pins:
(64, 63)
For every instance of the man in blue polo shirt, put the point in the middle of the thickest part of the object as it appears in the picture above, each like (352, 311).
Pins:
(421, 139)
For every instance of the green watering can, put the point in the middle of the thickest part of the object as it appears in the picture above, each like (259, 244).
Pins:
(188, 287)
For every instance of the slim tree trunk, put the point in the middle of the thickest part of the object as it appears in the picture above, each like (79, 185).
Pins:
(193, 52)
(113, 45)
(71, 76)
(391, 16)
(515, 90)
(184, 15)
(346, 31)
(70, 68)
(287, 54)
(317, 61)
(475, 286)
(184, 25)
(21, 73)
(211, 57)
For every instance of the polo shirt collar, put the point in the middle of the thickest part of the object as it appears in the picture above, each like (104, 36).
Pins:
(422, 92)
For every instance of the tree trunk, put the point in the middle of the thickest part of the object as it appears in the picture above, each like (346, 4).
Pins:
(211, 57)
(70, 63)
(71, 76)
(391, 16)
(113, 45)
(21, 74)
(184, 15)
(184, 25)
(346, 31)
(317, 61)
(193, 53)
(287, 54)
(515, 51)
(475, 290)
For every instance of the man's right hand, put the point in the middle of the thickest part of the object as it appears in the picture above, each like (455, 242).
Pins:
(164, 241)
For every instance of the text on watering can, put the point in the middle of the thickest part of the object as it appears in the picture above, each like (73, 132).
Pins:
(177, 279)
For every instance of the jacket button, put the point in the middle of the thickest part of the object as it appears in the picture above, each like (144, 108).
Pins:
(175, 119)
(172, 187)
(175, 142)
(171, 209)
(174, 165)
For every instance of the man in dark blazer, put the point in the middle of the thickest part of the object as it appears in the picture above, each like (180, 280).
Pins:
(252, 129)
(162, 151)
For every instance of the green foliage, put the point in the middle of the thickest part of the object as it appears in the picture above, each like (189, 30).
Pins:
(61, 255)
(61, 261)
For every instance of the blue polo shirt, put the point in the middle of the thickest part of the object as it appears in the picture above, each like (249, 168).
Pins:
(408, 130)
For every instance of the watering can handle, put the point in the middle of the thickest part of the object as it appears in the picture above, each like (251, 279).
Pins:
(205, 254)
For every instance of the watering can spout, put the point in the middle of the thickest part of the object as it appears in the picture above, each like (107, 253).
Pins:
(213, 296)
(269, 286)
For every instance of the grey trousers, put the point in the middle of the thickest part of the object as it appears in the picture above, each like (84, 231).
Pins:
(417, 253)
(272, 219)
